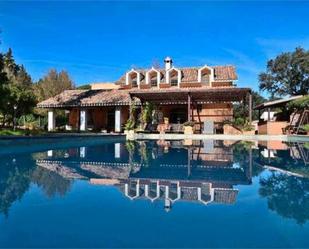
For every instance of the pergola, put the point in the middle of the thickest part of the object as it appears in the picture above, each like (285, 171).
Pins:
(191, 96)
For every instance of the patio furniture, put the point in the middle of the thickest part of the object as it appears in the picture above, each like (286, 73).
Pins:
(163, 128)
(294, 123)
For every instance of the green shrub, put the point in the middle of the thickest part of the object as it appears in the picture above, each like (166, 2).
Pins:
(130, 124)
(299, 104)
(239, 122)
(306, 127)
(189, 123)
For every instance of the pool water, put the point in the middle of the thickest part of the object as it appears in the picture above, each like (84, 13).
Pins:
(107, 192)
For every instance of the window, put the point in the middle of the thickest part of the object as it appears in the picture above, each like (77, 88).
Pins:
(134, 82)
(205, 78)
(205, 75)
(154, 82)
(133, 78)
(173, 77)
(152, 77)
(174, 82)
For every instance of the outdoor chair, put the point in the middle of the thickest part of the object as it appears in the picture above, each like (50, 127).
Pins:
(295, 122)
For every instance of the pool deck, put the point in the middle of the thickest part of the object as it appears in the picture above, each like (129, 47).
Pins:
(63, 135)
(156, 136)
(286, 138)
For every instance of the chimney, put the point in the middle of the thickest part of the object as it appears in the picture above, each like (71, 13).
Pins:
(168, 63)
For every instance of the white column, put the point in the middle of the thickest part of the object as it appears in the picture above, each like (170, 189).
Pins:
(82, 152)
(51, 121)
(67, 126)
(83, 120)
(118, 119)
(117, 150)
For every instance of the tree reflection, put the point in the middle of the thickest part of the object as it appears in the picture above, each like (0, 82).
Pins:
(16, 175)
(241, 156)
(14, 182)
(287, 195)
(50, 182)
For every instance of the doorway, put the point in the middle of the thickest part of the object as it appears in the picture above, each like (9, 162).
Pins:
(178, 115)
(111, 120)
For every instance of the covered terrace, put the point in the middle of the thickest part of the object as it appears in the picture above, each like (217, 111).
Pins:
(200, 105)
(96, 110)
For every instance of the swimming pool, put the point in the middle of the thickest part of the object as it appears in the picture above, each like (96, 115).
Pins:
(114, 193)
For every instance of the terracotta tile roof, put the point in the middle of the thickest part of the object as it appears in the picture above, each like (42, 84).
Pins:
(71, 98)
(190, 74)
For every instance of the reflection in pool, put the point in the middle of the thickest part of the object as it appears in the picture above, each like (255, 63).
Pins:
(220, 188)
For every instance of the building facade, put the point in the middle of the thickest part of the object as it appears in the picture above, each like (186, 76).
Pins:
(196, 94)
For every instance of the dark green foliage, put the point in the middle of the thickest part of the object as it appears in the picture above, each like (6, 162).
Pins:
(241, 111)
(84, 87)
(299, 104)
(3, 83)
(15, 89)
(287, 74)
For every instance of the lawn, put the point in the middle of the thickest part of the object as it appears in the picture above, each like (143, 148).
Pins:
(19, 132)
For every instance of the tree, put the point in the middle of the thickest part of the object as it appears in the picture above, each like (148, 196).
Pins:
(241, 111)
(84, 87)
(52, 84)
(10, 66)
(287, 74)
(3, 83)
(15, 89)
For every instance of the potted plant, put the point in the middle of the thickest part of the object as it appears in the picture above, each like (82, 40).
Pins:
(188, 127)
(248, 129)
(306, 128)
(129, 127)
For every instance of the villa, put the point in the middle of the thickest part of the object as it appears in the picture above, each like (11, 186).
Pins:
(203, 94)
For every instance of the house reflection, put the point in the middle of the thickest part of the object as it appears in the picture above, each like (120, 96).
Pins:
(286, 187)
(204, 172)
(284, 157)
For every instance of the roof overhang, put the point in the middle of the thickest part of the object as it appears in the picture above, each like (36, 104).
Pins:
(276, 103)
(207, 95)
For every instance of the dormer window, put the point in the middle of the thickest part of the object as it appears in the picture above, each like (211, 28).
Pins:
(173, 76)
(206, 75)
(133, 78)
(153, 77)
(154, 82)
(134, 82)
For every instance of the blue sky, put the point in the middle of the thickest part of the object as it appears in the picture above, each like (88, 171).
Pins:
(99, 41)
